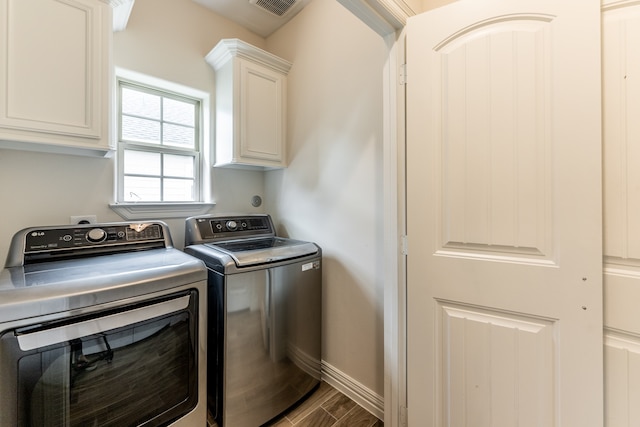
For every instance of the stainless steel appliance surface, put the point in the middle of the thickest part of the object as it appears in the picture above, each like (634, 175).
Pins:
(264, 333)
(102, 324)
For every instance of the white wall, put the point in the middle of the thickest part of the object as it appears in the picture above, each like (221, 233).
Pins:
(45, 189)
(331, 193)
(164, 38)
(170, 38)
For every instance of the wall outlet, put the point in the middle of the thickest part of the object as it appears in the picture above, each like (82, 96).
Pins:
(83, 219)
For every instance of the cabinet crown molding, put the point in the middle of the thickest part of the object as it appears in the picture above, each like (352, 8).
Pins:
(230, 48)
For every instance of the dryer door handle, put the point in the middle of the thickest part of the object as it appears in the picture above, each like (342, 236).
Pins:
(61, 334)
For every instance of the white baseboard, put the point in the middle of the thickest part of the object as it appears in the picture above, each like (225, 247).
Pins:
(363, 396)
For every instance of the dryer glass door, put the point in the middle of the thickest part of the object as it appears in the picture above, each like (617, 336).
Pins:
(127, 366)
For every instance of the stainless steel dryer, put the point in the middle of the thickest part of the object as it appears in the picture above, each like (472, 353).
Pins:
(102, 324)
(264, 316)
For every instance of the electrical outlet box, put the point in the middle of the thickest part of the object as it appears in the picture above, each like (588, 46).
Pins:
(83, 219)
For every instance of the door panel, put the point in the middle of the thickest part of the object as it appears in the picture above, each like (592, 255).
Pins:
(495, 367)
(621, 151)
(504, 214)
(495, 86)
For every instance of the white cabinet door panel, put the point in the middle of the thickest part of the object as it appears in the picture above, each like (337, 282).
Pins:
(262, 108)
(54, 72)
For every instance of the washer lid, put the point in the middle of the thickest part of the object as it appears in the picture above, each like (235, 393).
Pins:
(247, 252)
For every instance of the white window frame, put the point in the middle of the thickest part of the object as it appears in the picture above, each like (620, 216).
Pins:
(124, 145)
(145, 210)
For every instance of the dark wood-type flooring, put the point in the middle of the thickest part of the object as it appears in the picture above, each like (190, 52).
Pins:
(326, 407)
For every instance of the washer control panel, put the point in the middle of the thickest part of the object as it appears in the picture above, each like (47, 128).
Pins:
(216, 228)
(239, 224)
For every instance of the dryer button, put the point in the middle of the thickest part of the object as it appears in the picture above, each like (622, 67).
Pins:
(96, 235)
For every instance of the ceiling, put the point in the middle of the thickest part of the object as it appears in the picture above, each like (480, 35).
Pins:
(253, 17)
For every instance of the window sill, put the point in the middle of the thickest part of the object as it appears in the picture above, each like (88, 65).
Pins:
(135, 211)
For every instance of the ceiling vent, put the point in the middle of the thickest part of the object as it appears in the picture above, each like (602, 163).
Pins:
(274, 7)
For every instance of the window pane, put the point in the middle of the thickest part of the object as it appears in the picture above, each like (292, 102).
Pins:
(140, 104)
(179, 112)
(178, 136)
(178, 190)
(134, 129)
(138, 189)
(158, 146)
(178, 166)
(141, 163)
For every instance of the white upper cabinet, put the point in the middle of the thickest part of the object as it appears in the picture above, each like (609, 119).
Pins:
(251, 89)
(55, 76)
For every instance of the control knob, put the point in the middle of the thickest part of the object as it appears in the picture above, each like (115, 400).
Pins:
(96, 235)
(232, 225)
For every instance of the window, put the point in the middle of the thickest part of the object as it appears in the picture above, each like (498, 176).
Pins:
(159, 145)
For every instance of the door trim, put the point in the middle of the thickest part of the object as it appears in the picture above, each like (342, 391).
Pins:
(391, 28)
(395, 389)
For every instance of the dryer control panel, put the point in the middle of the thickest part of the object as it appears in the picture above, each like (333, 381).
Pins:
(53, 242)
(60, 238)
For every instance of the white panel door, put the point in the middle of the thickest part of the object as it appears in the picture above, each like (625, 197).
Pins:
(504, 214)
(621, 151)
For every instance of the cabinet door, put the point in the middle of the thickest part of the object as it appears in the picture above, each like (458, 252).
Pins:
(54, 71)
(262, 106)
